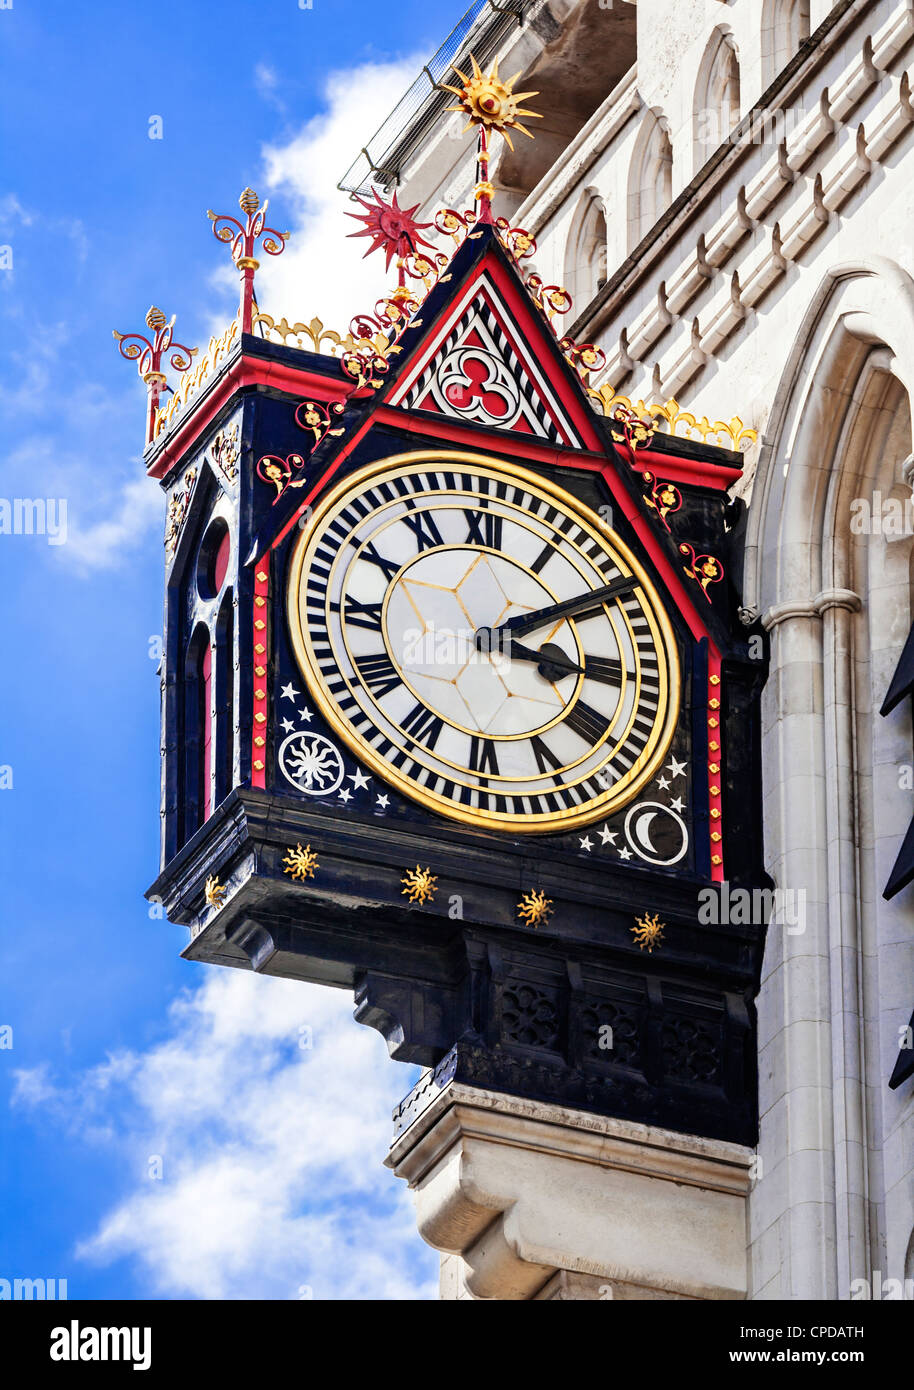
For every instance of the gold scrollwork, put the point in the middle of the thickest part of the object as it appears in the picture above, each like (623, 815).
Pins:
(732, 434)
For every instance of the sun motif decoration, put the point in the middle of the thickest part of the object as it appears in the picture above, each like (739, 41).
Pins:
(391, 228)
(648, 932)
(214, 892)
(534, 908)
(420, 885)
(300, 863)
(490, 102)
(314, 761)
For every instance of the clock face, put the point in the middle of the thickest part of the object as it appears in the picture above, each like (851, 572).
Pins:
(446, 613)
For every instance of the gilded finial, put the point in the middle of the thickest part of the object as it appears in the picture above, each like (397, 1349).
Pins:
(490, 102)
(155, 318)
(249, 201)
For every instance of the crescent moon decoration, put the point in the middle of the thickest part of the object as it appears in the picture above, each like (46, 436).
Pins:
(638, 832)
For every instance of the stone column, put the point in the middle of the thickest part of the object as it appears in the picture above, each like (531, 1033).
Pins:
(529, 1200)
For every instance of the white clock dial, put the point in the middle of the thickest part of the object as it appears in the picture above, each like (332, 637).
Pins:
(451, 618)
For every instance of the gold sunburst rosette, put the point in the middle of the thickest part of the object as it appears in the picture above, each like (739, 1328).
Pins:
(489, 102)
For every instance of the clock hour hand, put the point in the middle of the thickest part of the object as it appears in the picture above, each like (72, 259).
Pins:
(493, 639)
(552, 662)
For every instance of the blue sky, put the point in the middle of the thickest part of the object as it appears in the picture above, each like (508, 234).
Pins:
(164, 1133)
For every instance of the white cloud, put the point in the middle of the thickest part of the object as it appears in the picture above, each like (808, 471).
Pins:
(272, 1155)
(321, 272)
(12, 211)
(107, 512)
(272, 1175)
(103, 544)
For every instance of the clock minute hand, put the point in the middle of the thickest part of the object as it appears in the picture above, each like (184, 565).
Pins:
(571, 607)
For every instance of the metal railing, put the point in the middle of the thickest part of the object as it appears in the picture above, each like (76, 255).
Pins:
(483, 28)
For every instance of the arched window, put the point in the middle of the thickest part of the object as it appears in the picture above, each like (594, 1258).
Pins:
(717, 97)
(225, 698)
(585, 255)
(650, 187)
(785, 25)
(198, 701)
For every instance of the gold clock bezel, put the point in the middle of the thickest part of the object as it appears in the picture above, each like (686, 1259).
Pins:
(661, 736)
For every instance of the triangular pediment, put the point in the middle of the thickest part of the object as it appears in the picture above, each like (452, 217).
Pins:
(488, 357)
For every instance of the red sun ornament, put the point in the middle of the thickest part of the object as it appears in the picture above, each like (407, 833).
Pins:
(390, 226)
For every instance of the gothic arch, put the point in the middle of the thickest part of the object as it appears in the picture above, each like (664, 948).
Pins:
(837, 602)
(224, 751)
(586, 250)
(785, 25)
(716, 107)
(650, 179)
(196, 705)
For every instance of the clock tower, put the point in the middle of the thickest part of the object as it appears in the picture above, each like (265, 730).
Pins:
(459, 714)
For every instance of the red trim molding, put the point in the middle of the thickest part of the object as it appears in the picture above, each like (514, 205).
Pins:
(260, 667)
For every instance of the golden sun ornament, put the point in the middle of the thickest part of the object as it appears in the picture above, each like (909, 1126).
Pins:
(421, 885)
(300, 863)
(648, 932)
(214, 891)
(490, 102)
(534, 908)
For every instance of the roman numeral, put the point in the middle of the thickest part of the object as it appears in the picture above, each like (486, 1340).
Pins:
(423, 725)
(370, 552)
(359, 614)
(483, 757)
(423, 527)
(545, 554)
(587, 723)
(545, 758)
(484, 528)
(605, 669)
(378, 673)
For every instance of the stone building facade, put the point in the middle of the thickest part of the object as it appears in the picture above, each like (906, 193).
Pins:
(726, 190)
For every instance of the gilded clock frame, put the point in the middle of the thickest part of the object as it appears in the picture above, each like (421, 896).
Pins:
(670, 680)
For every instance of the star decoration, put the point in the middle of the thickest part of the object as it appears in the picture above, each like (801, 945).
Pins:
(358, 779)
(678, 804)
(648, 932)
(625, 853)
(214, 891)
(300, 863)
(421, 885)
(607, 836)
(383, 802)
(289, 692)
(306, 715)
(534, 908)
(345, 794)
(586, 843)
(676, 769)
(663, 782)
(489, 102)
(288, 725)
(391, 228)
